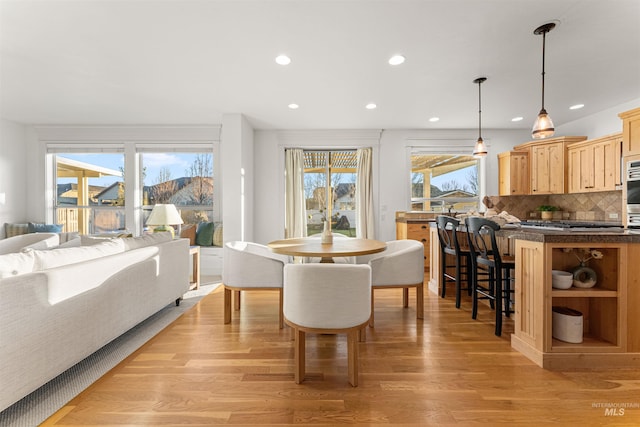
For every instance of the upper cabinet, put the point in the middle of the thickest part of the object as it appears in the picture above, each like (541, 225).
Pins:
(548, 164)
(630, 132)
(594, 165)
(513, 173)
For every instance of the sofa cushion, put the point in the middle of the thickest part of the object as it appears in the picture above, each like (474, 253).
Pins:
(86, 240)
(64, 256)
(204, 234)
(131, 243)
(16, 263)
(33, 227)
(11, 230)
(44, 244)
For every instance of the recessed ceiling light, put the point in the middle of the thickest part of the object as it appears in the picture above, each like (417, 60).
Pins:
(396, 60)
(576, 107)
(294, 106)
(434, 119)
(283, 60)
(371, 106)
(517, 119)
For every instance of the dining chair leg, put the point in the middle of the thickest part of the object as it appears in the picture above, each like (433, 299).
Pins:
(299, 356)
(420, 301)
(458, 282)
(352, 355)
(236, 300)
(405, 297)
(227, 305)
(474, 291)
(362, 334)
(372, 304)
(281, 308)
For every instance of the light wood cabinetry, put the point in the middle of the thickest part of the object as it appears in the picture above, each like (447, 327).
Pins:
(513, 173)
(548, 164)
(630, 132)
(594, 165)
(415, 230)
(609, 332)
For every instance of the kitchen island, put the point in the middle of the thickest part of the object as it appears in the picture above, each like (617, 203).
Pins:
(610, 309)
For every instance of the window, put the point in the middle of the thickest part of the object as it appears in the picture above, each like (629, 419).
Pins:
(334, 173)
(185, 179)
(444, 182)
(90, 192)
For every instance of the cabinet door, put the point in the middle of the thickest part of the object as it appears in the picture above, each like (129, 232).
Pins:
(547, 169)
(605, 159)
(585, 155)
(574, 171)
(631, 133)
(513, 173)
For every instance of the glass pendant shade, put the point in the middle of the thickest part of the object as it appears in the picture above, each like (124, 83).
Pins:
(543, 126)
(480, 150)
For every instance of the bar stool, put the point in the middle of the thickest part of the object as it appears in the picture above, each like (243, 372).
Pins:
(449, 244)
(497, 287)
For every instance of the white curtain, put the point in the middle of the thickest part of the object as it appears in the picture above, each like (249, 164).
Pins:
(295, 209)
(364, 195)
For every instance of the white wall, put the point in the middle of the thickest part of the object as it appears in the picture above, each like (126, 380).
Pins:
(13, 173)
(599, 124)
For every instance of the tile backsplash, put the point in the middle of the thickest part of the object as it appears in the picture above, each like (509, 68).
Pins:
(600, 206)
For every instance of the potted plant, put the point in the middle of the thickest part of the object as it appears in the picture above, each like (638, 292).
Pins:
(546, 211)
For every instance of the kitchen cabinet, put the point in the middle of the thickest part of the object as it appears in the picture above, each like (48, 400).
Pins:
(594, 165)
(630, 132)
(513, 173)
(548, 164)
(415, 230)
(609, 316)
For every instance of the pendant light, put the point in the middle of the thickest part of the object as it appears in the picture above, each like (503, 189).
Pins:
(480, 150)
(543, 126)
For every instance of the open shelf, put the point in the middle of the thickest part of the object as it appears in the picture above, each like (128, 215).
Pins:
(594, 292)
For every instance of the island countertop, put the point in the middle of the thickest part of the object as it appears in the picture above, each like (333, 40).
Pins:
(568, 236)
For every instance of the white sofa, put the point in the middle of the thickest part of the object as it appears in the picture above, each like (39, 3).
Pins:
(55, 316)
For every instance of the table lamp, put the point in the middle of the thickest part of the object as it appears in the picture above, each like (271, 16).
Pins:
(163, 216)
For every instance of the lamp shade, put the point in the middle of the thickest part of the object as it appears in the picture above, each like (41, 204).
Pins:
(480, 150)
(164, 215)
(543, 126)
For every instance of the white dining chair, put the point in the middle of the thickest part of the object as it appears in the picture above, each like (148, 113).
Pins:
(327, 299)
(401, 265)
(251, 266)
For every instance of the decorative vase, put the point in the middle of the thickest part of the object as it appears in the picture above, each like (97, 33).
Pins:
(584, 277)
(327, 237)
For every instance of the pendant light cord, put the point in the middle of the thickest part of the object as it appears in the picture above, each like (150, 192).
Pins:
(479, 111)
(544, 34)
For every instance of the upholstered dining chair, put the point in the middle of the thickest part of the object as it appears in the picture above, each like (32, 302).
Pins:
(251, 266)
(327, 299)
(401, 265)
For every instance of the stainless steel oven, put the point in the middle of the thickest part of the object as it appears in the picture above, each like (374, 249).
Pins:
(633, 194)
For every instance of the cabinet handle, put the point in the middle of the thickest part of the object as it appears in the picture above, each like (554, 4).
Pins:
(424, 227)
(423, 240)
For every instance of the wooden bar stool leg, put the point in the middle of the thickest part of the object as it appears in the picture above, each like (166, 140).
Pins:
(236, 300)
(420, 301)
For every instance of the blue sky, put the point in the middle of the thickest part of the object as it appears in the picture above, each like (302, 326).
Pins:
(178, 164)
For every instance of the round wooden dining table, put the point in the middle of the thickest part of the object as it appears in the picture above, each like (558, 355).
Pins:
(313, 247)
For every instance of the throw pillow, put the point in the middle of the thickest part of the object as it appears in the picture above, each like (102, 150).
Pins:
(189, 232)
(16, 264)
(11, 230)
(204, 234)
(217, 235)
(44, 228)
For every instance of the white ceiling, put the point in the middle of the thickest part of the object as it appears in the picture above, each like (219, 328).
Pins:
(188, 62)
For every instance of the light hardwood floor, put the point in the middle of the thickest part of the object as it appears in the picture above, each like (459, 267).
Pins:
(445, 370)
